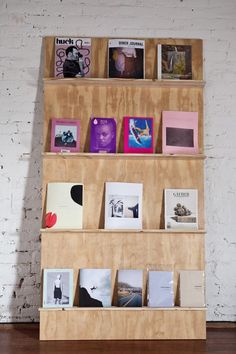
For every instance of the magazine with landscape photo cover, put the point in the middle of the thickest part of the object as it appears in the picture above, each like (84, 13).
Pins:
(130, 287)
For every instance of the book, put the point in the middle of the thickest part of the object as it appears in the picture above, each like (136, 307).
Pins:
(103, 135)
(181, 209)
(160, 289)
(138, 135)
(192, 288)
(58, 288)
(95, 287)
(179, 132)
(64, 205)
(123, 205)
(72, 57)
(126, 58)
(65, 135)
(129, 287)
(174, 61)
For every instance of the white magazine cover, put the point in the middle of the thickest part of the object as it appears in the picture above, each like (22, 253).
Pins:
(160, 288)
(123, 205)
(181, 208)
(64, 205)
(126, 58)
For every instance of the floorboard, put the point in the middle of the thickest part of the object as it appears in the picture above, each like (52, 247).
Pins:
(24, 339)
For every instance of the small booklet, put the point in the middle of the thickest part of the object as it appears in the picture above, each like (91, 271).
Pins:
(95, 287)
(192, 288)
(160, 289)
(181, 208)
(130, 287)
(103, 135)
(72, 57)
(174, 61)
(126, 58)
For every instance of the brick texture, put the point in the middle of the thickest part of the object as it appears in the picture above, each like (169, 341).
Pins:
(22, 26)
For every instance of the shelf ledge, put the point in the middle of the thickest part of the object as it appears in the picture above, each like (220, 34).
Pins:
(108, 231)
(124, 82)
(114, 308)
(65, 155)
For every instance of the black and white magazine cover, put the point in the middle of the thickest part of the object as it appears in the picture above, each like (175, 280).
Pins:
(181, 208)
(123, 205)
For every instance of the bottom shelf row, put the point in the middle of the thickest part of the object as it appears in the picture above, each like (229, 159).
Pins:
(94, 289)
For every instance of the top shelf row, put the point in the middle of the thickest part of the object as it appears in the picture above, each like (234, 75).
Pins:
(147, 58)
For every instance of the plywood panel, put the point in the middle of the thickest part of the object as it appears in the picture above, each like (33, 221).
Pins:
(100, 55)
(155, 174)
(90, 324)
(115, 99)
(146, 251)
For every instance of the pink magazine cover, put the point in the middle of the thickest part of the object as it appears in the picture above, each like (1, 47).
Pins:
(138, 135)
(65, 135)
(179, 132)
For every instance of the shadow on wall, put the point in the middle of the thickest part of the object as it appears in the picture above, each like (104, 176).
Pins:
(26, 290)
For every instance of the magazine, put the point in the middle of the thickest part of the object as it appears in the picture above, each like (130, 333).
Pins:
(123, 205)
(181, 209)
(103, 135)
(192, 288)
(65, 135)
(95, 287)
(64, 205)
(160, 288)
(72, 57)
(174, 62)
(138, 135)
(130, 287)
(179, 132)
(126, 58)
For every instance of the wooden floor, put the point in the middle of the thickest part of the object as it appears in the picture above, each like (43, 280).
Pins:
(23, 339)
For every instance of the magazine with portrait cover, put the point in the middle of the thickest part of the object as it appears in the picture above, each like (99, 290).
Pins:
(126, 58)
(174, 62)
(103, 135)
(95, 287)
(181, 208)
(130, 287)
(64, 205)
(58, 288)
(72, 57)
(123, 205)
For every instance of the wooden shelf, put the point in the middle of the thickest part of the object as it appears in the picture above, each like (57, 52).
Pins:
(124, 82)
(122, 324)
(149, 248)
(115, 308)
(106, 231)
(120, 156)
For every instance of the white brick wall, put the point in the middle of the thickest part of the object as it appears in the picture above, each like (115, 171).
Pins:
(22, 26)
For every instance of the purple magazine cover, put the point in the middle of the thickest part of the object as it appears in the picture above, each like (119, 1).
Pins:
(103, 135)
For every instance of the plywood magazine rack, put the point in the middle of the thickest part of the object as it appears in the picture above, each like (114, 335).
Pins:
(93, 247)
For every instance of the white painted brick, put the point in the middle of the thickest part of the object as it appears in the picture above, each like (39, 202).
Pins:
(22, 27)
